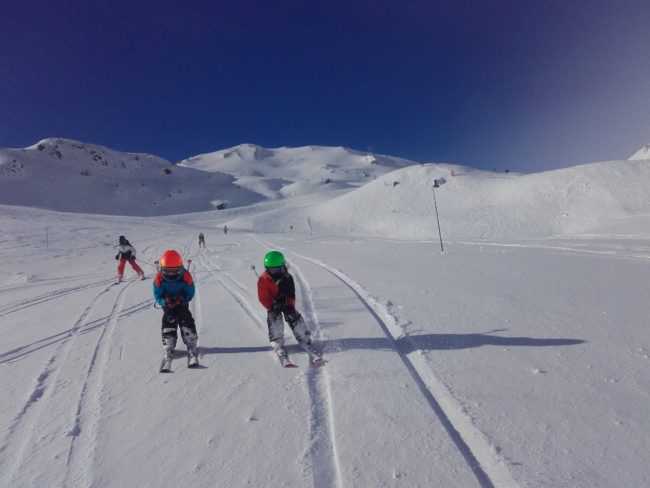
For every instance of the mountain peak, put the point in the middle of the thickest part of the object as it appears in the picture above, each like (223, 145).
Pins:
(641, 154)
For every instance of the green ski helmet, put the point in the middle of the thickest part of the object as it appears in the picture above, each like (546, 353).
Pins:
(274, 259)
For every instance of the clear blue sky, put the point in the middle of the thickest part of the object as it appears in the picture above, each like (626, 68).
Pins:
(518, 84)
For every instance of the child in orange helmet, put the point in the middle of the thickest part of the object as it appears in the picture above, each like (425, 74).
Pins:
(173, 289)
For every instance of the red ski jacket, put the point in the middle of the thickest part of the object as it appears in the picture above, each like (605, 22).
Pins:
(269, 291)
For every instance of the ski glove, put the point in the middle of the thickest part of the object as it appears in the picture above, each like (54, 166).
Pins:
(172, 302)
(276, 307)
(117, 257)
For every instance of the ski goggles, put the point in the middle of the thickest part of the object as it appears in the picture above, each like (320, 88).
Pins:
(276, 270)
(172, 272)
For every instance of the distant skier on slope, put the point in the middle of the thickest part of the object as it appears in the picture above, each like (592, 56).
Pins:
(201, 240)
(225, 229)
(173, 289)
(277, 293)
(126, 252)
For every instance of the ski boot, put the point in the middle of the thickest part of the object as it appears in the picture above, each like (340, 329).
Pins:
(166, 363)
(192, 356)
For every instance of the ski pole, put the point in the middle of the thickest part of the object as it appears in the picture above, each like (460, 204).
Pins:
(253, 270)
(145, 262)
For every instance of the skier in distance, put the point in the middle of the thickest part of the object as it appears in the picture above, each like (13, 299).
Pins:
(201, 240)
(126, 252)
(173, 289)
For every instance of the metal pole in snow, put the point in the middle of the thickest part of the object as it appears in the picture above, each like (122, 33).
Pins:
(436, 185)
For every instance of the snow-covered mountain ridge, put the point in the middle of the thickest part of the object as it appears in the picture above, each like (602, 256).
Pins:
(346, 190)
(67, 175)
(641, 154)
(325, 162)
(296, 171)
(486, 205)
(480, 204)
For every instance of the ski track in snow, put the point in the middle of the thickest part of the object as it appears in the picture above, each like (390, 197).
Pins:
(238, 296)
(19, 438)
(19, 352)
(577, 248)
(39, 282)
(88, 413)
(321, 454)
(23, 304)
(481, 457)
(323, 441)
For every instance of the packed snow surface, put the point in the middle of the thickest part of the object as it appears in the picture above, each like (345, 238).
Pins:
(518, 357)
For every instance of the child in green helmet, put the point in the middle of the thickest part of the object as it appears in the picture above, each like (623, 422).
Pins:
(277, 293)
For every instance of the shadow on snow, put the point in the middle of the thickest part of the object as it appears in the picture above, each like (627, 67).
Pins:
(407, 344)
(403, 345)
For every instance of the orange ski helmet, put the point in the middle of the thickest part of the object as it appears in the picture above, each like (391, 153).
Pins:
(171, 265)
(171, 259)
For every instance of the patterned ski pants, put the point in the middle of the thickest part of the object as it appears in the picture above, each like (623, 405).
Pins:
(295, 321)
(174, 318)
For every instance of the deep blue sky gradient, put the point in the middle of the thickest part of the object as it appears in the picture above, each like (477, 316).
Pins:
(524, 85)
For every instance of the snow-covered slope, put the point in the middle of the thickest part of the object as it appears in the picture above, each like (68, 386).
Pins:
(496, 364)
(62, 174)
(286, 172)
(477, 204)
(506, 364)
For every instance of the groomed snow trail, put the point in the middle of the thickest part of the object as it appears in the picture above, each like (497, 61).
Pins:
(320, 456)
(88, 414)
(70, 380)
(326, 462)
(354, 313)
(490, 470)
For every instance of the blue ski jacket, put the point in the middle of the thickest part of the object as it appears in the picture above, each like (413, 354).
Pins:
(182, 288)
